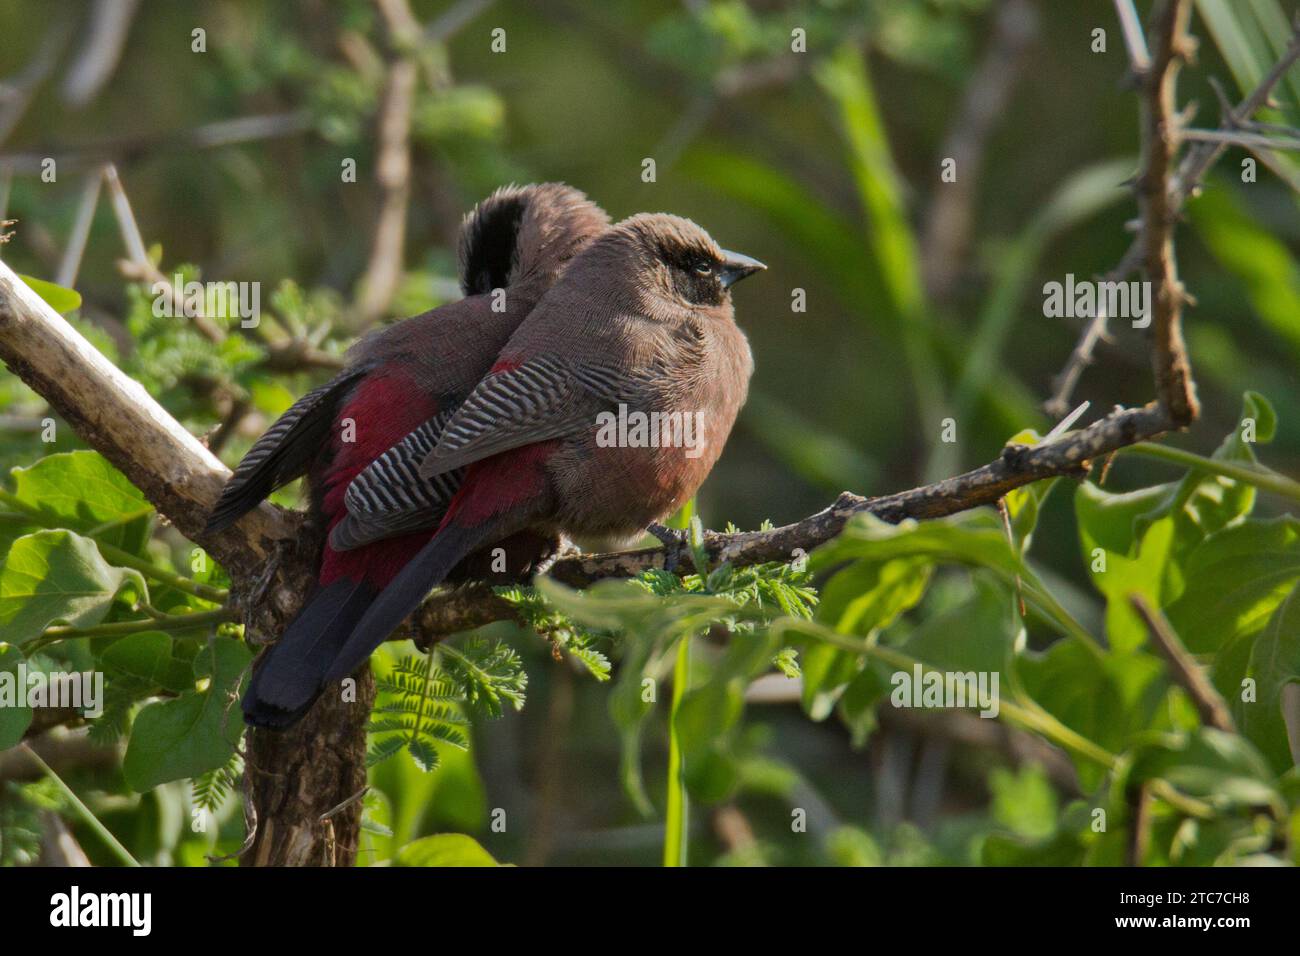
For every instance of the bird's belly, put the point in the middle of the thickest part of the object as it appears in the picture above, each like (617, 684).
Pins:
(632, 487)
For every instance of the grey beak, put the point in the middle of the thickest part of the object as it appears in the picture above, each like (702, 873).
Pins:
(736, 266)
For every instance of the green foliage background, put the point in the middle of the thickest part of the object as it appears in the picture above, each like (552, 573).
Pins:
(826, 175)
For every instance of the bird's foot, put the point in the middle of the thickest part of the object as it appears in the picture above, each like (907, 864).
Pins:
(564, 548)
(675, 542)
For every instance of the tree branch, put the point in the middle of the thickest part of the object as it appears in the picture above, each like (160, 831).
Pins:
(1184, 184)
(945, 240)
(1211, 707)
(1159, 212)
(115, 415)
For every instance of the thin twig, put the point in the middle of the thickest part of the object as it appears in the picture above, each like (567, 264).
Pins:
(93, 65)
(454, 19)
(1134, 40)
(122, 150)
(946, 237)
(1244, 138)
(339, 808)
(139, 266)
(1183, 668)
(70, 264)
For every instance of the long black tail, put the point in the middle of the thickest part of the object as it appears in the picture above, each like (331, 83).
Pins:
(342, 625)
(405, 592)
(289, 678)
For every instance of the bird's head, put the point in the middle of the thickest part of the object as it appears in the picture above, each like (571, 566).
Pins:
(675, 259)
(524, 232)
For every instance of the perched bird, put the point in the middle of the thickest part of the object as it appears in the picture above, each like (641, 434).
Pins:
(640, 323)
(513, 247)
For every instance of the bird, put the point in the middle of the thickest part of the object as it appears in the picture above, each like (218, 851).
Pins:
(641, 322)
(512, 247)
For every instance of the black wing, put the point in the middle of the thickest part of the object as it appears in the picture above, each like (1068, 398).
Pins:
(284, 452)
(390, 497)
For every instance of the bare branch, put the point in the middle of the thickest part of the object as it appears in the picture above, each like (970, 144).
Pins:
(139, 266)
(229, 132)
(946, 238)
(383, 273)
(1134, 40)
(1172, 46)
(119, 419)
(1182, 185)
(70, 264)
(1244, 138)
(1183, 668)
(106, 33)
(1070, 454)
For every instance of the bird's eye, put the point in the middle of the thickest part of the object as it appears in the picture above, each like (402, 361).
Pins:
(703, 267)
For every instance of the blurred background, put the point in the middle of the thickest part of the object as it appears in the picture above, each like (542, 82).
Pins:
(922, 301)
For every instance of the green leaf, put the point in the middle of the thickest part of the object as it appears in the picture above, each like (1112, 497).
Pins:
(1108, 520)
(628, 606)
(1274, 663)
(81, 490)
(708, 716)
(445, 849)
(786, 661)
(1142, 574)
(1259, 410)
(1064, 847)
(844, 77)
(12, 527)
(977, 540)
(148, 657)
(1106, 699)
(868, 596)
(14, 720)
(57, 576)
(197, 731)
(1235, 579)
(629, 709)
(1221, 768)
(990, 632)
(1024, 801)
(58, 298)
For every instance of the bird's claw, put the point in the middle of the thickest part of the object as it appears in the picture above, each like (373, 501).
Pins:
(564, 548)
(675, 542)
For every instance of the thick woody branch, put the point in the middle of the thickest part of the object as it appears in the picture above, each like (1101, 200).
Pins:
(115, 415)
